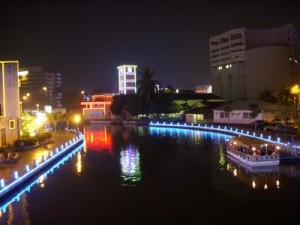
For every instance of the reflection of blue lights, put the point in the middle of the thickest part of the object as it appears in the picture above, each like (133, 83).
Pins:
(17, 196)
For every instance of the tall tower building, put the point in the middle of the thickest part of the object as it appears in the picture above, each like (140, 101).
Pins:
(40, 88)
(127, 79)
(245, 62)
(9, 103)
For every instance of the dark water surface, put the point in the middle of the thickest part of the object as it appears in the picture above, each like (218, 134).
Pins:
(140, 175)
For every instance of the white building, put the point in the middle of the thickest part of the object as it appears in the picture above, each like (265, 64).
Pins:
(240, 112)
(127, 79)
(245, 62)
(9, 103)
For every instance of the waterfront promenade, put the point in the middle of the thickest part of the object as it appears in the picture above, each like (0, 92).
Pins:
(28, 156)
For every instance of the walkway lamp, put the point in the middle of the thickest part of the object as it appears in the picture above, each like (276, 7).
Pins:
(295, 90)
(77, 120)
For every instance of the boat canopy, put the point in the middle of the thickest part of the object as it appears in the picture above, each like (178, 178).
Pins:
(248, 142)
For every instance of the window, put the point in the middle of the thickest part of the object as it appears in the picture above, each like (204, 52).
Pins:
(214, 42)
(129, 77)
(236, 36)
(12, 124)
(247, 115)
(223, 40)
(224, 115)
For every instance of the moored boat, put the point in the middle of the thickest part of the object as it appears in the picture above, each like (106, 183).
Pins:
(11, 157)
(253, 152)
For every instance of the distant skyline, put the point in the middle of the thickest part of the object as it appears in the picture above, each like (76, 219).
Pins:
(87, 40)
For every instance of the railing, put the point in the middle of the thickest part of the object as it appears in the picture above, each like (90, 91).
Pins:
(30, 171)
(225, 129)
(254, 158)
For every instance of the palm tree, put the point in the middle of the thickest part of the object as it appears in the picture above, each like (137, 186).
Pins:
(267, 95)
(55, 117)
(146, 85)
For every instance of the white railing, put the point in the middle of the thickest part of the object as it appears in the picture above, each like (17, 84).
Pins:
(225, 129)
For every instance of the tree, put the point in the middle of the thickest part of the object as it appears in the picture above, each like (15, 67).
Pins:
(227, 109)
(55, 117)
(268, 96)
(146, 85)
(255, 110)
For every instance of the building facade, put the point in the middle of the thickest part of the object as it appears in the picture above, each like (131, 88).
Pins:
(127, 79)
(39, 89)
(245, 62)
(9, 103)
(98, 108)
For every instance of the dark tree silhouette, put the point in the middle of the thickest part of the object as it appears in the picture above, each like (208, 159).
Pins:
(146, 85)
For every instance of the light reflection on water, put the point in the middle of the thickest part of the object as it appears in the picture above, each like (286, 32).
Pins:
(181, 173)
(11, 212)
(130, 165)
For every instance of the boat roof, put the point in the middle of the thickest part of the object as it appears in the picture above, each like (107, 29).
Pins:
(249, 141)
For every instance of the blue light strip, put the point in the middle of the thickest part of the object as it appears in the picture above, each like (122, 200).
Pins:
(17, 196)
(38, 166)
(218, 129)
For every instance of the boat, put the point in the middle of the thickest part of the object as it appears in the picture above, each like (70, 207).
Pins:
(253, 152)
(11, 157)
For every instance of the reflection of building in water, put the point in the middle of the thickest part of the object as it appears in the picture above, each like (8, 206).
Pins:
(98, 139)
(130, 165)
(256, 177)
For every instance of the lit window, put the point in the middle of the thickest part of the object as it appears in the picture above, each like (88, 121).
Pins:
(129, 69)
(12, 124)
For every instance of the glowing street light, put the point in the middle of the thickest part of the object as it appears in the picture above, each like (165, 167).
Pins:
(38, 107)
(295, 90)
(45, 90)
(77, 120)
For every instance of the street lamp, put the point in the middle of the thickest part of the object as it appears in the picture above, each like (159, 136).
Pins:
(25, 102)
(37, 107)
(295, 90)
(45, 90)
(77, 120)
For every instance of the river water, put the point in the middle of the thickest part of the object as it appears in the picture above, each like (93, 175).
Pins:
(141, 175)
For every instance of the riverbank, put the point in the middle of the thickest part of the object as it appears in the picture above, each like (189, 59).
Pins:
(27, 156)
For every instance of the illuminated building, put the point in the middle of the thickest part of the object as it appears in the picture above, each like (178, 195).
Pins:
(45, 88)
(98, 108)
(127, 79)
(245, 62)
(9, 102)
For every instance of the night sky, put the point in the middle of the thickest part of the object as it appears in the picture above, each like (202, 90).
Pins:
(86, 41)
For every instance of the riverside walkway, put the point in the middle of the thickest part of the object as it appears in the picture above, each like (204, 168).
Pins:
(28, 156)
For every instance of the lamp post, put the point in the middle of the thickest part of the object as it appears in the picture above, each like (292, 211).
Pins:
(295, 90)
(45, 90)
(37, 107)
(82, 92)
(77, 120)
(25, 102)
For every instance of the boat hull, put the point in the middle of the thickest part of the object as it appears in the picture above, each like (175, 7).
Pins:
(255, 161)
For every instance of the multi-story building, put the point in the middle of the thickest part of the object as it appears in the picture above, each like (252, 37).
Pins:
(98, 108)
(9, 103)
(127, 79)
(39, 89)
(245, 62)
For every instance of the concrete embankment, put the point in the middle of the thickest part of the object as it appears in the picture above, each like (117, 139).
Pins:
(35, 160)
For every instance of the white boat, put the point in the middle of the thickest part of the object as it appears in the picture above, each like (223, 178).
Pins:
(253, 152)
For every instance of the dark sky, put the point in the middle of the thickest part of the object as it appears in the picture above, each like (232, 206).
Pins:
(87, 40)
